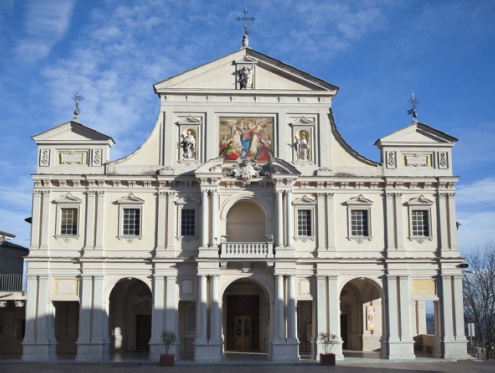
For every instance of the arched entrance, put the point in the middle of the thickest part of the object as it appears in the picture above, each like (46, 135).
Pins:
(246, 317)
(246, 222)
(361, 318)
(130, 316)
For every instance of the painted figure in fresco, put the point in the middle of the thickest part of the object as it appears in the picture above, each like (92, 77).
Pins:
(228, 148)
(302, 147)
(188, 146)
(245, 78)
(264, 149)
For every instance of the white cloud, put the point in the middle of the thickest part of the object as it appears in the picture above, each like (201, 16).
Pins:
(477, 228)
(478, 192)
(45, 24)
(13, 222)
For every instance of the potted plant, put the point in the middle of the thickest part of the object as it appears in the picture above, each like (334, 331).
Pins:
(327, 340)
(167, 359)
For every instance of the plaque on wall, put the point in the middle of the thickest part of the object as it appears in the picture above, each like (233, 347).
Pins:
(70, 157)
(417, 160)
(246, 137)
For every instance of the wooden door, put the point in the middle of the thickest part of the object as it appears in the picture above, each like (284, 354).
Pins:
(143, 332)
(243, 333)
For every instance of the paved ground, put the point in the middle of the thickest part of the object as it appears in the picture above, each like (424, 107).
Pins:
(467, 366)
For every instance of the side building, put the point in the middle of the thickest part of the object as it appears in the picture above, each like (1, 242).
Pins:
(244, 223)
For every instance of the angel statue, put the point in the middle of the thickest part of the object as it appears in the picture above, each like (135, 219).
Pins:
(302, 147)
(188, 144)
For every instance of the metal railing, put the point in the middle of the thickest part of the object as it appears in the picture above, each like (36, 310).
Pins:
(11, 282)
(246, 250)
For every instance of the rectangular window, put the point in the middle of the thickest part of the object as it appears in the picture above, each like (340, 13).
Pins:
(359, 223)
(132, 220)
(188, 222)
(420, 224)
(304, 222)
(69, 222)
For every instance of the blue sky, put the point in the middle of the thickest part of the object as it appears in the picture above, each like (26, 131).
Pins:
(376, 51)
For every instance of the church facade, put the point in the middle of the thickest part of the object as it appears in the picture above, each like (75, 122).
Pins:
(243, 223)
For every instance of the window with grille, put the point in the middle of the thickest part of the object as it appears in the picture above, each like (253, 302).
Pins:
(420, 223)
(69, 222)
(304, 222)
(188, 222)
(132, 220)
(359, 223)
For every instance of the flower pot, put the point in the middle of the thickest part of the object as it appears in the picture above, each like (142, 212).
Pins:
(327, 359)
(167, 360)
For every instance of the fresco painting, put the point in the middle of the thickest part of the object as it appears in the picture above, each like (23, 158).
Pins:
(246, 137)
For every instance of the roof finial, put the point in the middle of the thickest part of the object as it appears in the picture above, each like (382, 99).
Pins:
(77, 98)
(414, 101)
(245, 38)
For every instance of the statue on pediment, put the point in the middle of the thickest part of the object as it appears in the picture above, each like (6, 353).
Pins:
(188, 144)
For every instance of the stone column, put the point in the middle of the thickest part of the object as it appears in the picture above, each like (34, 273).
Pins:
(204, 218)
(390, 222)
(331, 224)
(321, 305)
(289, 218)
(280, 220)
(85, 306)
(171, 310)
(39, 342)
(161, 223)
(45, 220)
(279, 306)
(157, 317)
(35, 226)
(452, 223)
(171, 221)
(99, 316)
(333, 300)
(443, 223)
(321, 232)
(100, 220)
(459, 347)
(399, 224)
(90, 220)
(291, 308)
(202, 310)
(407, 341)
(214, 218)
(215, 332)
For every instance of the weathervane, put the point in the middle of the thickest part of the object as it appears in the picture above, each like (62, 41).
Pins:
(77, 99)
(414, 101)
(245, 39)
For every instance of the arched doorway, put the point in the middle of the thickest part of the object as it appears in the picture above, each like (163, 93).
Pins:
(361, 317)
(246, 222)
(130, 316)
(246, 317)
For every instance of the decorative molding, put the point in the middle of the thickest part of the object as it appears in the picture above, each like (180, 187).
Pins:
(359, 239)
(420, 201)
(443, 160)
(97, 157)
(44, 157)
(68, 198)
(187, 200)
(391, 158)
(304, 200)
(246, 169)
(359, 200)
(130, 199)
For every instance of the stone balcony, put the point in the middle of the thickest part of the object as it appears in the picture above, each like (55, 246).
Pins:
(246, 250)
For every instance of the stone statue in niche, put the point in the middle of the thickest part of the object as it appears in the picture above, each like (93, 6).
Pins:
(245, 80)
(302, 146)
(188, 143)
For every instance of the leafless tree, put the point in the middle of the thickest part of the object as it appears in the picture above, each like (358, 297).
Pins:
(479, 293)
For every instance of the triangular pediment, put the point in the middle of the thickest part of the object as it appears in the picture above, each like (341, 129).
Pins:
(417, 134)
(68, 198)
(268, 74)
(72, 132)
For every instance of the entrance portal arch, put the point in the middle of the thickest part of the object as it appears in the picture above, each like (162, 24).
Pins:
(130, 316)
(361, 316)
(246, 316)
(246, 222)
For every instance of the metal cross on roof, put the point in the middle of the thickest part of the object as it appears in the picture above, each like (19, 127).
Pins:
(414, 101)
(77, 99)
(246, 19)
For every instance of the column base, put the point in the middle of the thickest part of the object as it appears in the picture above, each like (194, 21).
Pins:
(400, 350)
(208, 352)
(451, 349)
(87, 351)
(39, 351)
(285, 351)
